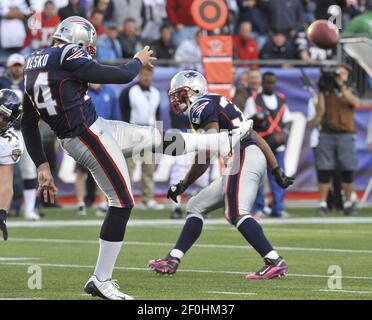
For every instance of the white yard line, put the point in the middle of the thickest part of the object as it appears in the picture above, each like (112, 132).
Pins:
(211, 246)
(232, 293)
(17, 259)
(208, 222)
(342, 291)
(77, 266)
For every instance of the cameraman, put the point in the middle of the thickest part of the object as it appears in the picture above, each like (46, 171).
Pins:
(336, 149)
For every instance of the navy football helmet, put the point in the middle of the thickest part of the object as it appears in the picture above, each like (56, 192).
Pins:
(10, 109)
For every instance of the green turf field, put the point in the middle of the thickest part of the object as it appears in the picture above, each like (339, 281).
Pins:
(213, 269)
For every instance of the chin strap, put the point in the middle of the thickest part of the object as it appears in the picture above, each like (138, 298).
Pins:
(91, 50)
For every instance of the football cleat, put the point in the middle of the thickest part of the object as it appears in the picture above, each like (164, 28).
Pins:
(164, 266)
(32, 216)
(108, 289)
(273, 268)
(350, 211)
(81, 211)
(322, 211)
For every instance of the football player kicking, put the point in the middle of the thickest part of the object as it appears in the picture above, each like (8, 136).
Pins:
(11, 149)
(56, 82)
(236, 191)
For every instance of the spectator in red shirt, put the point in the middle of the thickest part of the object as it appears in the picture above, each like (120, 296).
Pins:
(245, 46)
(96, 19)
(42, 37)
(179, 15)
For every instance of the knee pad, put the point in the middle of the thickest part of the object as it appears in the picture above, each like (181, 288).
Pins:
(324, 176)
(347, 176)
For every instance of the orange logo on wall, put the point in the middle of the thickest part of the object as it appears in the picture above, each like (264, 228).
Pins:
(209, 14)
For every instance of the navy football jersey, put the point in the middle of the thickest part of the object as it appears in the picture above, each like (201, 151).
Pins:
(216, 108)
(57, 96)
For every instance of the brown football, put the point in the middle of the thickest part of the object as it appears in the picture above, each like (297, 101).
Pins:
(323, 34)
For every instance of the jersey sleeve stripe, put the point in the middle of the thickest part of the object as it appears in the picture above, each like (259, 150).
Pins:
(65, 50)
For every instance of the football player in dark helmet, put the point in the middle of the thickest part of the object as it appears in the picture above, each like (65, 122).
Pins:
(10, 150)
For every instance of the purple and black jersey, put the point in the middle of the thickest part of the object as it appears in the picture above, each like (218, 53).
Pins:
(216, 108)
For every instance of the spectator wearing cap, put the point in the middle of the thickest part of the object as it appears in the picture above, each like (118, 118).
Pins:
(13, 78)
(129, 39)
(96, 19)
(180, 17)
(108, 45)
(164, 47)
(153, 17)
(72, 9)
(244, 45)
(42, 37)
(12, 27)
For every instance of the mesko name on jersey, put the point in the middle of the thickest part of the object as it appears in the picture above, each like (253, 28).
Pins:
(34, 62)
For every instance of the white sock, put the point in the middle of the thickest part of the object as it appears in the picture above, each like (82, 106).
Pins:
(108, 252)
(215, 142)
(176, 253)
(29, 196)
(81, 204)
(323, 204)
(272, 255)
(348, 204)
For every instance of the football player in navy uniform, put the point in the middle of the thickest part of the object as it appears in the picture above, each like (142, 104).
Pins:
(236, 190)
(11, 149)
(56, 82)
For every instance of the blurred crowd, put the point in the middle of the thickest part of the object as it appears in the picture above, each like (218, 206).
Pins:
(262, 29)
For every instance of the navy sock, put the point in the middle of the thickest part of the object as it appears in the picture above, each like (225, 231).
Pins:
(114, 225)
(253, 233)
(190, 233)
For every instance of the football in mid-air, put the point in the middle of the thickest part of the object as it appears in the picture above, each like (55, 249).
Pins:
(323, 34)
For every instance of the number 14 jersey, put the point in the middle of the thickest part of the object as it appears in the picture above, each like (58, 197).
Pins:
(54, 92)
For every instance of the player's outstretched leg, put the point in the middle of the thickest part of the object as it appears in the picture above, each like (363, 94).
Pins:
(178, 143)
(190, 233)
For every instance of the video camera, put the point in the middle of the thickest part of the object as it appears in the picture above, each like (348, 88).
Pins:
(327, 80)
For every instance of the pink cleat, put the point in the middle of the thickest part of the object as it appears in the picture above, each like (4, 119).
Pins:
(272, 269)
(164, 266)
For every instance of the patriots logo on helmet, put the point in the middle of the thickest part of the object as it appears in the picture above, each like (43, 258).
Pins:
(191, 74)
